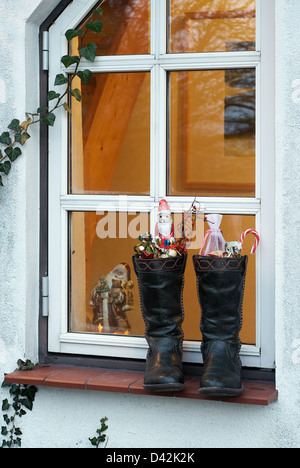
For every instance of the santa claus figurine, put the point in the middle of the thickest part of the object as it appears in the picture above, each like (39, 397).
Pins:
(164, 230)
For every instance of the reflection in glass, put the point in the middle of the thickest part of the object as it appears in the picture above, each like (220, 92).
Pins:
(212, 133)
(208, 25)
(110, 135)
(125, 29)
(104, 295)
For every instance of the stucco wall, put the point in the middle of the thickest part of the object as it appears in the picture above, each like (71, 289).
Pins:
(67, 418)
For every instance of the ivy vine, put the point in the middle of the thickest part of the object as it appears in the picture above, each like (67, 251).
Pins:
(12, 141)
(101, 437)
(22, 397)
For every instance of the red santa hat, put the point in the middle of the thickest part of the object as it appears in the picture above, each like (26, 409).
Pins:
(164, 207)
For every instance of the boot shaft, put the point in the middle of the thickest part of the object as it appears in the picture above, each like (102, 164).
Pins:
(161, 284)
(220, 284)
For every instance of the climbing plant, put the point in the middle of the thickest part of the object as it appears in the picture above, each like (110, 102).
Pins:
(17, 133)
(100, 438)
(22, 398)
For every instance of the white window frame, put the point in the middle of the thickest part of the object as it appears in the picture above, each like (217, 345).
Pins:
(159, 63)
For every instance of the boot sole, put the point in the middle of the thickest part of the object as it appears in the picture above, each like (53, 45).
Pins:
(220, 392)
(170, 387)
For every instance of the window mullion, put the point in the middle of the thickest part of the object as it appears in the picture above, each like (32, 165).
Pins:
(158, 101)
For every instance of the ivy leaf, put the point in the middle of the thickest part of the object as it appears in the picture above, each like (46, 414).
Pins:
(5, 138)
(42, 109)
(5, 405)
(98, 11)
(71, 33)
(95, 26)
(52, 95)
(85, 76)
(18, 441)
(89, 52)
(13, 154)
(26, 124)
(22, 138)
(76, 94)
(60, 80)
(27, 403)
(5, 167)
(94, 441)
(69, 60)
(49, 119)
(14, 125)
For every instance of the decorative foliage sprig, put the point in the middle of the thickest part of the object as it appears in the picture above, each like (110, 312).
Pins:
(96, 441)
(12, 141)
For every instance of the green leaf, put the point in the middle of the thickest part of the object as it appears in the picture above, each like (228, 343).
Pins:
(5, 405)
(18, 441)
(89, 52)
(42, 109)
(4, 431)
(22, 138)
(98, 11)
(27, 403)
(68, 60)
(71, 33)
(1, 183)
(49, 119)
(67, 107)
(85, 76)
(95, 26)
(14, 125)
(5, 167)
(52, 95)
(60, 80)
(5, 138)
(94, 441)
(13, 153)
(76, 94)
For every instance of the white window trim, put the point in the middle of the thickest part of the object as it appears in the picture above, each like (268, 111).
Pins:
(158, 63)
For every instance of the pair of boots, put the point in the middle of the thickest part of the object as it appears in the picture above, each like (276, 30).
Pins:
(220, 287)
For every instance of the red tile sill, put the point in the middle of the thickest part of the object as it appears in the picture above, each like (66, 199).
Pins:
(256, 393)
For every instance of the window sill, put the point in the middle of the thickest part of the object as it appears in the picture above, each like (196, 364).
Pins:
(256, 392)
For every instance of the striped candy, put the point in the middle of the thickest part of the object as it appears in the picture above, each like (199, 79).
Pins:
(255, 233)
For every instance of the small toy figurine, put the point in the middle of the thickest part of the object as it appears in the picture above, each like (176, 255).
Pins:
(111, 298)
(233, 249)
(164, 230)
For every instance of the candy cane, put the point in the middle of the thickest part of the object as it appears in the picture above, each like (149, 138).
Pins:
(255, 233)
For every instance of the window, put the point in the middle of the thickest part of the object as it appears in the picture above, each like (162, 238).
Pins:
(179, 106)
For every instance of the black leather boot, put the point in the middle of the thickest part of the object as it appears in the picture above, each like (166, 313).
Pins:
(161, 286)
(221, 283)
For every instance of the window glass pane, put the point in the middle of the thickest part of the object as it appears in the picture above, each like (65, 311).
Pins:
(212, 133)
(232, 227)
(125, 30)
(104, 296)
(110, 135)
(211, 25)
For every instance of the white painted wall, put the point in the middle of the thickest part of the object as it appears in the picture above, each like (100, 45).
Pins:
(67, 418)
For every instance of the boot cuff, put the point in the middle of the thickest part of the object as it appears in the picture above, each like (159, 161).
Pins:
(202, 263)
(159, 265)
